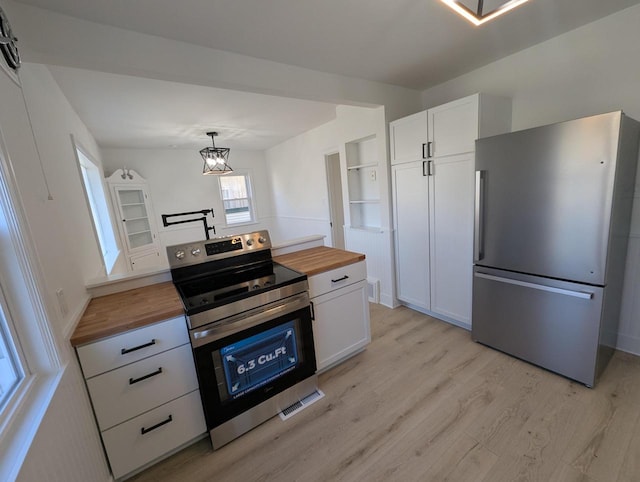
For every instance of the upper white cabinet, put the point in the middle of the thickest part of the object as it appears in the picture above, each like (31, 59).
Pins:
(408, 138)
(135, 219)
(432, 153)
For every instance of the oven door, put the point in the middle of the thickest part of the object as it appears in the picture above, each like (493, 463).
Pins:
(248, 358)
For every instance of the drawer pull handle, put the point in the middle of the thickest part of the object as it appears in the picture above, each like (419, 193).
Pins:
(124, 351)
(313, 310)
(157, 425)
(149, 375)
(340, 279)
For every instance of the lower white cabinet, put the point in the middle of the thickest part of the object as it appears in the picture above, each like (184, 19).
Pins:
(143, 439)
(144, 392)
(341, 324)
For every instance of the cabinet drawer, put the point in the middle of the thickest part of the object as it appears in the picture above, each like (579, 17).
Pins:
(337, 278)
(122, 394)
(132, 346)
(128, 448)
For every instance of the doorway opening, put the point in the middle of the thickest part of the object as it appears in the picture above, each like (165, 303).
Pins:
(336, 211)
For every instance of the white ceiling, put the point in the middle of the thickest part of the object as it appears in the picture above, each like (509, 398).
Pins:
(411, 43)
(135, 112)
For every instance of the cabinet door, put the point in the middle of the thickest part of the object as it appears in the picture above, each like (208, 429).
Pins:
(145, 260)
(453, 127)
(451, 236)
(341, 324)
(408, 137)
(137, 225)
(411, 223)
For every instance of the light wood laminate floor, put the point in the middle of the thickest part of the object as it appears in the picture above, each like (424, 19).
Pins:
(424, 402)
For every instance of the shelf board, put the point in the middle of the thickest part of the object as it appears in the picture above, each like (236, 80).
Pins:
(360, 166)
(369, 229)
(365, 201)
(139, 232)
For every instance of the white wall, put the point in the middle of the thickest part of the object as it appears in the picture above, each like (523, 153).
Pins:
(591, 70)
(176, 185)
(67, 444)
(62, 225)
(297, 171)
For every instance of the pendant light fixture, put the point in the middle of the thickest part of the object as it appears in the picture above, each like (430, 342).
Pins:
(216, 159)
(478, 15)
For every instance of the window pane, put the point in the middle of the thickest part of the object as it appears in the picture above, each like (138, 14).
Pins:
(236, 199)
(10, 375)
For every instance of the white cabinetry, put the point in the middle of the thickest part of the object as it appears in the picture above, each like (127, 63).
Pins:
(135, 219)
(432, 155)
(144, 391)
(341, 326)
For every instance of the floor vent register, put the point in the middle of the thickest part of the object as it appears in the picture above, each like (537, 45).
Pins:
(291, 410)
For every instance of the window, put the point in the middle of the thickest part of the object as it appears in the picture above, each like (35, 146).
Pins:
(30, 365)
(235, 191)
(11, 372)
(97, 200)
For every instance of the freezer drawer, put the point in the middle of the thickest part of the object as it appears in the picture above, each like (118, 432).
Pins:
(553, 324)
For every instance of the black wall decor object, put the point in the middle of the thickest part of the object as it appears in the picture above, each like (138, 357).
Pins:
(8, 45)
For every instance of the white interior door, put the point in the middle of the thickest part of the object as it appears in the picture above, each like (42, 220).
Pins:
(336, 209)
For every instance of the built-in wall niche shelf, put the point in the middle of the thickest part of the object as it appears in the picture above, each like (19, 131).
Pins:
(362, 178)
(362, 166)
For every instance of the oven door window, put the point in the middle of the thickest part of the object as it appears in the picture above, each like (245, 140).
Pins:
(242, 370)
(255, 361)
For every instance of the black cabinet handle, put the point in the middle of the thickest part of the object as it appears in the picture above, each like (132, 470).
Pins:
(124, 351)
(157, 425)
(424, 168)
(313, 311)
(340, 279)
(424, 154)
(429, 149)
(149, 375)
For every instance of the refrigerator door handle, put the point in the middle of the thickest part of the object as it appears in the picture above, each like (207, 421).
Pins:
(576, 294)
(478, 248)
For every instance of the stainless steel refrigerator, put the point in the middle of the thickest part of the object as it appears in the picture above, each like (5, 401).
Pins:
(553, 209)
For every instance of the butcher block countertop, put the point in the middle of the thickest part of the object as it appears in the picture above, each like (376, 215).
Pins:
(116, 313)
(318, 260)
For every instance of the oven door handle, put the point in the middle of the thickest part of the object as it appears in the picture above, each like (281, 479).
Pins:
(243, 321)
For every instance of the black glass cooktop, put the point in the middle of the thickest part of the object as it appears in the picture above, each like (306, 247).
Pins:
(220, 288)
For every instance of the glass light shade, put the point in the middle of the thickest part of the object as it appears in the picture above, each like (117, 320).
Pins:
(216, 159)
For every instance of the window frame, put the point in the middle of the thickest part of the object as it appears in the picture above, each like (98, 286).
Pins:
(36, 345)
(99, 206)
(246, 174)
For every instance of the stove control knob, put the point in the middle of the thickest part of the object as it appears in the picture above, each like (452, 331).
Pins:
(261, 239)
(179, 254)
(249, 242)
(195, 251)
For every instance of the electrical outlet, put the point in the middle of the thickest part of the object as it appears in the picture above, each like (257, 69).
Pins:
(372, 174)
(62, 301)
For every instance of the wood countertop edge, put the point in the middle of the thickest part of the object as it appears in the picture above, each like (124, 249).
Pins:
(296, 260)
(107, 316)
(79, 339)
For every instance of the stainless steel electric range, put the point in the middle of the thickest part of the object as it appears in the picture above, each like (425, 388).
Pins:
(249, 321)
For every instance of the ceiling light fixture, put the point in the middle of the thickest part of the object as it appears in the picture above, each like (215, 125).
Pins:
(478, 17)
(216, 159)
